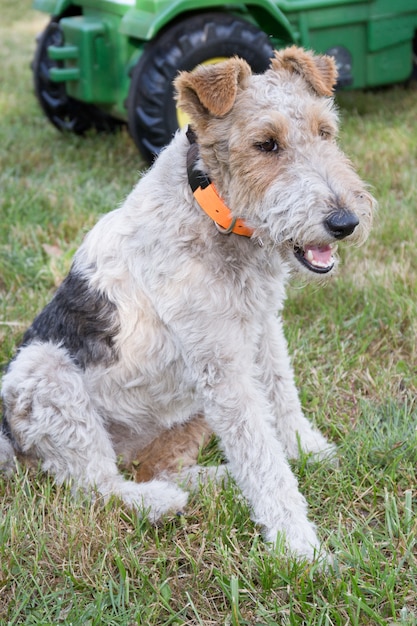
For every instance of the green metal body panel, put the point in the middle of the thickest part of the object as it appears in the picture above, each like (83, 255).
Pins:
(106, 37)
(98, 55)
(378, 34)
(147, 18)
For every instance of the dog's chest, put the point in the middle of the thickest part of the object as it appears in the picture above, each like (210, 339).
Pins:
(149, 385)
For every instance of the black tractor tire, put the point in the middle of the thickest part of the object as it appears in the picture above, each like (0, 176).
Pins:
(152, 113)
(414, 70)
(64, 112)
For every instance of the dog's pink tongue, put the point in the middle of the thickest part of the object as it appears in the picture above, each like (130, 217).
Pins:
(318, 256)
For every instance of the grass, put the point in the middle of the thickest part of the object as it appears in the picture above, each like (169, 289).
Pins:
(66, 561)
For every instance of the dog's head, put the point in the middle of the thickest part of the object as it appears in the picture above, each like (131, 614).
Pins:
(268, 142)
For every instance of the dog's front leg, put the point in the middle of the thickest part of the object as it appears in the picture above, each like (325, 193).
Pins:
(238, 411)
(276, 374)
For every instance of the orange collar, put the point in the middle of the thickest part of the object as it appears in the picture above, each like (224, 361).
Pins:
(208, 197)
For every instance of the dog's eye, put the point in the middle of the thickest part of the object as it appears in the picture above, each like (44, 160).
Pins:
(325, 133)
(270, 145)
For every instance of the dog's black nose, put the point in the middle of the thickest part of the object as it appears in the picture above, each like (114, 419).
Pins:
(341, 224)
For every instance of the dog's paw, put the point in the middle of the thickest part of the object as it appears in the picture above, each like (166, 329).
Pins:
(300, 542)
(327, 454)
(154, 498)
(193, 477)
(313, 444)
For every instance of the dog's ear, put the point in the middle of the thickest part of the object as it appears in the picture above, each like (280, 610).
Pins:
(319, 71)
(211, 89)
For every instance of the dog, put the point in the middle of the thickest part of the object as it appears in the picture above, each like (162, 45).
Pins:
(168, 324)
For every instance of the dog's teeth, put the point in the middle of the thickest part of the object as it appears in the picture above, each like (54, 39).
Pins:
(309, 256)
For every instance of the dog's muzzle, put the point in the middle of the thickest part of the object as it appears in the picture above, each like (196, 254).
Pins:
(341, 224)
(320, 259)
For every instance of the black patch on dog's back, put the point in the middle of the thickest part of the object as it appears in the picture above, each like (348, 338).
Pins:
(81, 319)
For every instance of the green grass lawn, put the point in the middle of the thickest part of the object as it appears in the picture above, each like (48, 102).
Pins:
(66, 561)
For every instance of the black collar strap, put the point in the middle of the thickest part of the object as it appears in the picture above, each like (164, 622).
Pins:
(208, 197)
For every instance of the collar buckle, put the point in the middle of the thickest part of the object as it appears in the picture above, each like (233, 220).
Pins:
(226, 231)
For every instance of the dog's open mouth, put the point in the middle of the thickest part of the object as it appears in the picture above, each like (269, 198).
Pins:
(315, 258)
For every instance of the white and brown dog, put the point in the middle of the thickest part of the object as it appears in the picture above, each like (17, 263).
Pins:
(170, 311)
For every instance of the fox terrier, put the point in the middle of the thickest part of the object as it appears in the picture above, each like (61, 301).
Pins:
(168, 325)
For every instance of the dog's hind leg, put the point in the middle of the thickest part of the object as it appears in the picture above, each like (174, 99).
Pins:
(51, 417)
(174, 455)
(293, 429)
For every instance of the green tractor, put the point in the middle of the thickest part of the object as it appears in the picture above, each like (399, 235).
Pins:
(103, 63)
